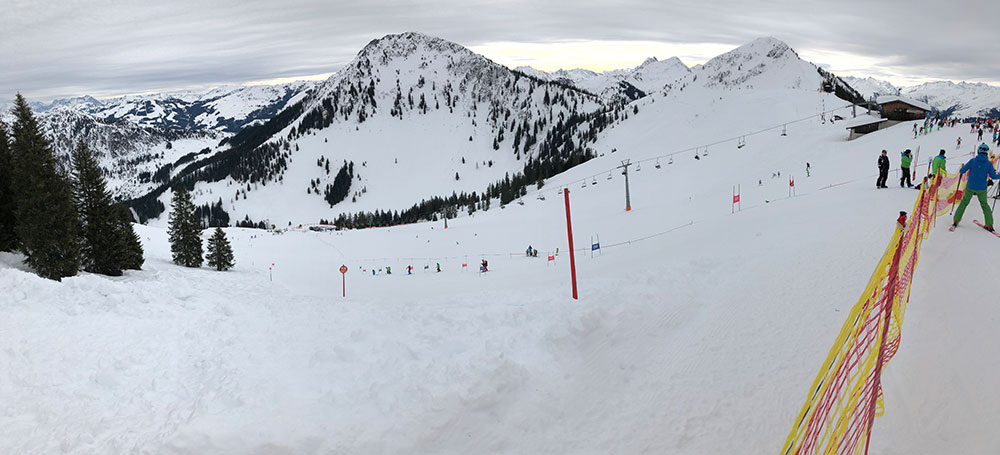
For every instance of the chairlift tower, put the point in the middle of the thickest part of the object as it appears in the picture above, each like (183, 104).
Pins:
(628, 200)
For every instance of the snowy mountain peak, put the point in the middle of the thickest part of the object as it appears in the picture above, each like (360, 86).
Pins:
(77, 103)
(762, 63)
(408, 43)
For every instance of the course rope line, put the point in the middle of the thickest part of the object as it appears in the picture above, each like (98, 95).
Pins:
(846, 396)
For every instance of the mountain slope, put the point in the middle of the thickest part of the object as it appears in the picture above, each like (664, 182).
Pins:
(871, 88)
(768, 63)
(417, 116)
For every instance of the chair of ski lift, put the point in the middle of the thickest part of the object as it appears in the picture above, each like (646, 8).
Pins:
(706, 152)
(657, 163)
(742, 142)
(671, 160)
(583, 184)
(609, 175)
(541, 197)
(595, 181)
(638, 167)
(520, 201)
(784, 130)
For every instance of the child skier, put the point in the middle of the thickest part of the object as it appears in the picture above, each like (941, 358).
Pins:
(979, 168)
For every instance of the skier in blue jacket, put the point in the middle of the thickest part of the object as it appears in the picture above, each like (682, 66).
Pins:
(978, 168)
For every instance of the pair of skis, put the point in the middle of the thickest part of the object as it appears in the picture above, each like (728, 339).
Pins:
(977, 223)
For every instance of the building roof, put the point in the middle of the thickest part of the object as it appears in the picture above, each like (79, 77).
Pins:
(863, 120)
(912, 102)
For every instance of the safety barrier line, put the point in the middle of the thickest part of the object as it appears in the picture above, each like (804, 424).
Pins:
(846, 395)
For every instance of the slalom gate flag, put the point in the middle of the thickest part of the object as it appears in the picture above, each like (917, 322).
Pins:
(552, 258)
(846, 396)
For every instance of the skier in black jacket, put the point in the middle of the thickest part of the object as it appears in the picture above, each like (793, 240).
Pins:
(883, 170)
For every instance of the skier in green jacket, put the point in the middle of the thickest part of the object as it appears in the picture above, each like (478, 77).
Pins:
(937, 164)
(904, 167)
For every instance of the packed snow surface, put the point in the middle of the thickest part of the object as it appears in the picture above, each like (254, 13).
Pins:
(702, 340)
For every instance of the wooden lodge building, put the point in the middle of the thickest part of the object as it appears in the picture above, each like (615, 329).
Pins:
(900, 109)
(894, 109)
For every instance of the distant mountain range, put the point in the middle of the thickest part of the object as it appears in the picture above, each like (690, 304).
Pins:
(225, 109)
(413, 117)
(963, 99)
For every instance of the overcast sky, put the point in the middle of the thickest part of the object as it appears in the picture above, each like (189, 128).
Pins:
(104, 48)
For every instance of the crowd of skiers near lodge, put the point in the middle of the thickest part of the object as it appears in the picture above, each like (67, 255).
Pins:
(981, 172)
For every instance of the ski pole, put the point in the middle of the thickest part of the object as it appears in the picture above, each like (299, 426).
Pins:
(997, 195)
(957, 190)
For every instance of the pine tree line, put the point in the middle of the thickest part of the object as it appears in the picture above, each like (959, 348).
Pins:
(59, 222)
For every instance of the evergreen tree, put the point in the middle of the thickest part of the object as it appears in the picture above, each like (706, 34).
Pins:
(45, 219)
(99, 231)
(129, 246)
(8, 239)
(220, 254)
(184, 230)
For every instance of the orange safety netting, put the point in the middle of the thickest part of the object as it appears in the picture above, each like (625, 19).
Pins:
(847, 395)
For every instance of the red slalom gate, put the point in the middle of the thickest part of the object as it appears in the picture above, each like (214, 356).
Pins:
(736, 198)
(569, 232)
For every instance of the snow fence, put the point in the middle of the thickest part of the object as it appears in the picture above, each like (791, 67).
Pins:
(846, 396)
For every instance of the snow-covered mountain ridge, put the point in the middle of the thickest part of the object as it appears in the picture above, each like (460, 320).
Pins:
(964, 99)
(764, 63)
(407, 102)
(225, 109)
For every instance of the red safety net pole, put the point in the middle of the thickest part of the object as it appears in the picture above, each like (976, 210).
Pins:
(888, 299)
(569, 232)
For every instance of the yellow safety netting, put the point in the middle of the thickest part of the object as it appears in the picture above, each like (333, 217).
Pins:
(846, 396)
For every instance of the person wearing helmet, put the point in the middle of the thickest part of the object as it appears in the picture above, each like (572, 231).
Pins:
(979, 168)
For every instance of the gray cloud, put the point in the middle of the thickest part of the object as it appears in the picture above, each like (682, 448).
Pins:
(110, 47)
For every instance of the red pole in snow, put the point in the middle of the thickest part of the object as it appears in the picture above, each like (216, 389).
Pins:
(569, 232)
(887, 308)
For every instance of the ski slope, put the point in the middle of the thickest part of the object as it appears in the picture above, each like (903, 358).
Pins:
(702, 340)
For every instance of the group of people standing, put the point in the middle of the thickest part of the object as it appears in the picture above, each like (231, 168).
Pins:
(980, 170)
(905, 162)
